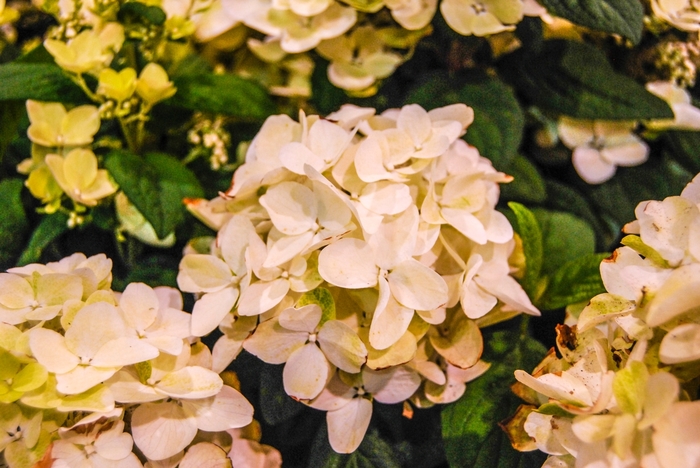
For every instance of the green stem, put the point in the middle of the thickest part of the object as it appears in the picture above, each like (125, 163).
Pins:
(130, 142)
(78, 79)
(524, 324)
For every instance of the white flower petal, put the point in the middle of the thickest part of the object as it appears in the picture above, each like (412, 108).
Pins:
(306, 372)
(417, 286)
(392, 385)
(228, 409)
(347, 425)
(161, 430)
(210, 310)
(348, 263)
(262, 296)
(190, 382)
(342, 346)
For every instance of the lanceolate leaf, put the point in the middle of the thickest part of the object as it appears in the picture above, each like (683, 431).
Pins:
(13, 222)
(623, 17)
(531, 235)
(575, 79)
(222, 94)
(156, 184)
(38, 81)
(48, 230)
(470, 425)
(575, 281)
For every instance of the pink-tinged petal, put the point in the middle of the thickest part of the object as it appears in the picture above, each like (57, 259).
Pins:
(369, 159)
(391, 385)
(114, 444)
(262, 296)
(466, 223)
(462, 345)
(335, 395)
(499, 229)
(295, 155)
(395, 239)
(386, 197)
(306, 372)
(246, 453)
(417, 286)
(94, 326)
(342, 346)
(140, 305)
(49, 348)
(291, 206)
(190, 382)
(83, 378)
(210, 310)
(273, 343)
(228, 409)
(168, 298)
(510, 292)
(389, 324)
(591, 167)
(161, 430)
(205, 454)
(123, 352)
(682, 344)
(676, 436)
(303, 319)
(629, 154)
(347, 426)
(348, 263)
(203, 273)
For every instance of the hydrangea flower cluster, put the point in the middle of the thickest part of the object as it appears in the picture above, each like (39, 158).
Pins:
(86, 373)
(624, 391)
(363, 251)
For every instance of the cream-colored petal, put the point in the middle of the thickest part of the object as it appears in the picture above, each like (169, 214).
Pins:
(161, 430)
(347, 425)
(228, 409)
(306, 372)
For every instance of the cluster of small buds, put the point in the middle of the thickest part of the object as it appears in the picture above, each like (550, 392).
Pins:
(624, 392)
(362, 251)
(210, 137)
(78, 356)
(677, 61)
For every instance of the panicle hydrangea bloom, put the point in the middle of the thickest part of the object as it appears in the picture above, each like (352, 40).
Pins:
(76, 356)
(621, 395)
(359, 251)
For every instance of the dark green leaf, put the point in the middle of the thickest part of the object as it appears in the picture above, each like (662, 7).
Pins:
(222, 94)
(470, 425)
(527, 185)
(140, 12)
(11, 113)
(48, 230)
(156, 184)
(576, 281)
(684, 146)
(373, 452)
(498, 119)
(13, 222)
(575, 79)
(39, 81)
(623, 17)
(564, 237)
(529, 230)
(275, 404)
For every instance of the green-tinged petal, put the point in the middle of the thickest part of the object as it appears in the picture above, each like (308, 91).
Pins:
(31, 377)
(629, 387)
(462, 345)
(203, 273)
(98, 399)
(211, 309)
(342, 346)
(417, 286)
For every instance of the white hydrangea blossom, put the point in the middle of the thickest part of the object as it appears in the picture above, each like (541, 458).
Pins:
(621, 386)
(345, 245)
(75, 355)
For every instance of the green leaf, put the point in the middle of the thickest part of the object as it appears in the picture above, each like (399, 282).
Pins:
(470, 425)
(527, 184)
(684, 145)
(564, 238)
(156, 184)
(373, 452)
(323, 298)
(623, 17)
(13, 222)
(140, 12)
(222, 94)
(576, 79)
(498, 119)
(276, 406)
(11, 113)
(48, 230)
(576, 281)
(38, 81)
(529, 230)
